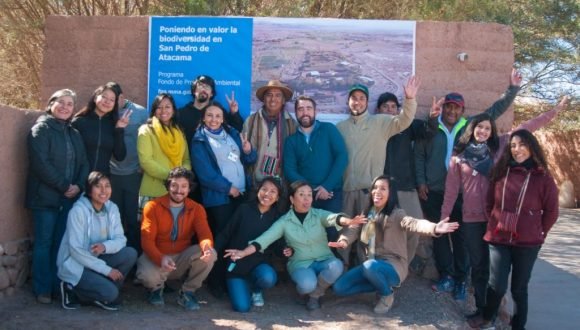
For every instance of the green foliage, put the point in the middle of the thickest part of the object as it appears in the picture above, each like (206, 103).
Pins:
(546, 32)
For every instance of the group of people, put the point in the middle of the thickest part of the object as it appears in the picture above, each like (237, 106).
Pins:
(199, 194)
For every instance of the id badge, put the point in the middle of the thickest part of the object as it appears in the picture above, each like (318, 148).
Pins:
(233, 157)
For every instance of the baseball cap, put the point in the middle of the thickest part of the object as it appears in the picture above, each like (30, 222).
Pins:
(454, 98)
(358, 87)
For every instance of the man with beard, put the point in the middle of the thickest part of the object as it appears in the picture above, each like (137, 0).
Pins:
(268, 128)
(170, 223)
(365, 136)
(316, 153)
(203, 91)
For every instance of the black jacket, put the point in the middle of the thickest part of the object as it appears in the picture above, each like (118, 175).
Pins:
(102, 140)
(47, 153)
(247, 224)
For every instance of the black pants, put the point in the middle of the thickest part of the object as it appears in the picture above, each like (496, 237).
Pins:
(218, 218)
(450, 257)
(520, 260)
(478, 251)
(126, 196)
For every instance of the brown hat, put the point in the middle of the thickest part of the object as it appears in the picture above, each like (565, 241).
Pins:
(274, 84)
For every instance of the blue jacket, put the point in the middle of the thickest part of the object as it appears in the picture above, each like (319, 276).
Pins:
(322, 161)
(215, 187)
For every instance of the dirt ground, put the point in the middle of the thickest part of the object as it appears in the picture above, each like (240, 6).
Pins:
(416, 307)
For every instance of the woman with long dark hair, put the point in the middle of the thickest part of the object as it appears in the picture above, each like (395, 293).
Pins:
(468, 178)
(247, 278)
(57, 169)
(522, 207)
(161, 146)
(384, 238)
(102, 129)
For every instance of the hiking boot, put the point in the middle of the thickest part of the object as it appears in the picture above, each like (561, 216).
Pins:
(156, 297)
(109, 306)
(69, 299)
(384, 304)
(445, 284)
(459, 291)
(257, 299)
(188, 301)
(313, 303)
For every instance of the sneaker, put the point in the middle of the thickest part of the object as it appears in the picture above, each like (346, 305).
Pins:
(459, 291)
(156, 297)
(68, 297)
(44, 299)
(188, 301)
(257, 299)
(384, 304)
(445, 284)
(109, 306)
(313, 304)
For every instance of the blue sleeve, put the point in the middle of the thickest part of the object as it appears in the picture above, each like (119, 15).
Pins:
(340, 155)
(290, 162)
(209, 176)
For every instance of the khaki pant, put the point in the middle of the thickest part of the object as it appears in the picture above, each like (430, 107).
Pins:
(187, 263)
(409, 201)
(354, 203)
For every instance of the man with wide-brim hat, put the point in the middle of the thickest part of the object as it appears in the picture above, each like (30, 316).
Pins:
(268, 127)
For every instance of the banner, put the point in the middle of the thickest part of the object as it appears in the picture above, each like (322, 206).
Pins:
(317, 57)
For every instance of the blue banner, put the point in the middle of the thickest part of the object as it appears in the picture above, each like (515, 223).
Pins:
(182, 48)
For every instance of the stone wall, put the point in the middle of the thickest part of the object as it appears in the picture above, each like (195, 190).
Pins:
(15, 224)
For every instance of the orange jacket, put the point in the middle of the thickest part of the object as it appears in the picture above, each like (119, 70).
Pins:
(158, 222)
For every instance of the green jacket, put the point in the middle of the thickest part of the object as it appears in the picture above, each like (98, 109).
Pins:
(308, 239)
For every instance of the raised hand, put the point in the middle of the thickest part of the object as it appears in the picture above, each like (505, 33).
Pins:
(411, 87)
(124, 120)
(515, 78)
(246, 145)
(234, 107)
(436, 107)
(444, 226)
(562, 105)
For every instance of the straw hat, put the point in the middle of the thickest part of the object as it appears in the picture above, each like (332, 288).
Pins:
(274, 84)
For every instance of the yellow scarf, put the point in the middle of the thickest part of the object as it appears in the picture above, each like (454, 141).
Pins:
(171, 141)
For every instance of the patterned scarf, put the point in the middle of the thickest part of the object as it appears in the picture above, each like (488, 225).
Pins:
(478, 156)
(171, 141)
(368, 233)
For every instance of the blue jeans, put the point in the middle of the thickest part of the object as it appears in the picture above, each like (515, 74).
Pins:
(49, 227)
(96, 286)
(372, 275)
(520, 260)
(241, 289)
(306, 279)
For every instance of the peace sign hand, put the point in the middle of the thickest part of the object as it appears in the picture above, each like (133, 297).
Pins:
(232, 103)
(246, 145)
(124, 120)
(436, 107)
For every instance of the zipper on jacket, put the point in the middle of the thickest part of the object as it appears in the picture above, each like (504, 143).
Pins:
(98, 146)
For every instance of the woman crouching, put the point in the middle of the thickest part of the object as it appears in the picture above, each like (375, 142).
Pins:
(385, 238)
(93, 259)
